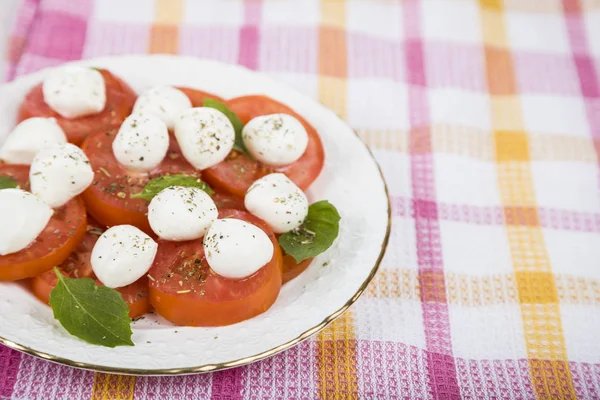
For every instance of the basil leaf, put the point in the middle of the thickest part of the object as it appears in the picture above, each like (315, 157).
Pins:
(95, 314)
(7, 183)
(235, 121)
(316, 234)
(153, 187)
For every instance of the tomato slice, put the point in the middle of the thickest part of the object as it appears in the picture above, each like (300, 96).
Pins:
(197, 96)
(78, 265)
(237, 172)
(228, 201)
(291, 268)
(136, 297)
(108, 198)
(64, 232)
(184, 290)
(120, 99)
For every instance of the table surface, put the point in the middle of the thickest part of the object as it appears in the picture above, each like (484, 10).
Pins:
(485, 118)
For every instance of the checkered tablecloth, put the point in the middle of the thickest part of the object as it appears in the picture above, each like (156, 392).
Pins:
(485, 117)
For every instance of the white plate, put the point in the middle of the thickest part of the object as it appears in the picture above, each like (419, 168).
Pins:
(351, 180)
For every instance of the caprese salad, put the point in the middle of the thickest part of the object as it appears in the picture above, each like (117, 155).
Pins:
(175, 201)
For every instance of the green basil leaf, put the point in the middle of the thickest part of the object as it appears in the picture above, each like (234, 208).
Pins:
(7, 183)
(153, 187)
(235, 121)
(316, 234)
(95, 314)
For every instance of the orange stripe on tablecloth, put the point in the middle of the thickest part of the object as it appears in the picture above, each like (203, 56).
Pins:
(164, 33)
(113, 387)
(481, 291)
(336, 359)
(479, 144)
(336, 344)
(536, 286)
(332, 61)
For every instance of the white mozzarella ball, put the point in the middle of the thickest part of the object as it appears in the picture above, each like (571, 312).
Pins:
(276, 139)
(236, 249)
(141, 143)
(29, 137)
(277, 200)
(181, 213)
(75, 91)
(205, 136)
(165, 102)
(60, 172)
(122, 255)
(23, 216)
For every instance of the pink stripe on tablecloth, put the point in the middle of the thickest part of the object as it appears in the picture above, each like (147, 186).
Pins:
(40, 379)
(249, 46)
(219, 43)
(587, 77)
(494, 379)
(20, 34)
(112, 38)
(370, 56)
(586, 380)
(441, 367)
(380, 377)
(197, 387)
(228, 384)
(539, 73)
(25, 17)
(252, 12)
(58, 34)
(552, 218)
(250, 35)
(456, 65)
(287, 375)
(588, 81)
(82, 8)
(30, 63)
(289, 49)
(10, 361)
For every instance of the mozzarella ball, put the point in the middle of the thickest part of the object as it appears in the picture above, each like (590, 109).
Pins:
(29, 137)
(205, 136)
(75, 91)
(276, 139)
(277, 200)
(60, 172)
(181, 213)
(23, 216)
(122, 255)
(141, 143)
(164, 102)
(236, 249)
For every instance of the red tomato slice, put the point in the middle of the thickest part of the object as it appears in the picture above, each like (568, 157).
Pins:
(136, 297)
(237, 172)
(64, 232)
(197, 96)
(78, 265)
(184, 290)
(227, 201)
(120, 99)
(108, 198)
(291, 268)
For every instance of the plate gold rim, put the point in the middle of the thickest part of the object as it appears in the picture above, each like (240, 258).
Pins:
(242, 361)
